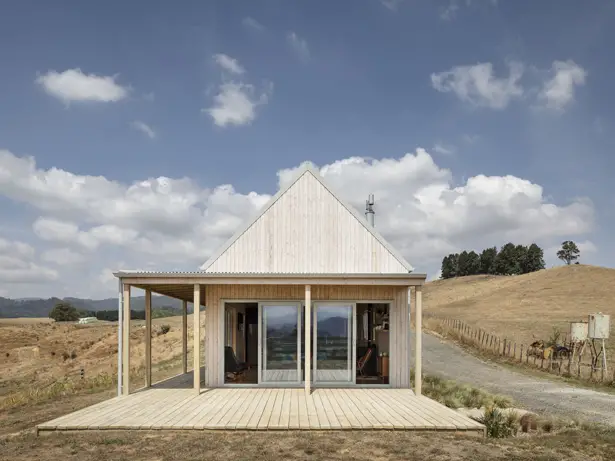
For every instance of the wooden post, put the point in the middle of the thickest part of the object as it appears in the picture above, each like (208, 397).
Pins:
(184, 337)
(521, 354)
(308, 339)
(515, 351)
(148, 338)
(504, 348)
(418, 346)
(509, 344)
(197, 339)
(126, 341)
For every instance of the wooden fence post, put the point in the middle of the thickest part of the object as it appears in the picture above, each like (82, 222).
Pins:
(509, 344)
(521, 354)
(504, 348)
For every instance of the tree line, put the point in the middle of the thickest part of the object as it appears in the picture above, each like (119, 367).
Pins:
(510, 260)
(66, 312)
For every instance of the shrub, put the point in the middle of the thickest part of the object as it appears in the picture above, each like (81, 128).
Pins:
(498, 424)
(73, 355)
(528, 422)
(65, 356)
(164, 329)
(8, 354)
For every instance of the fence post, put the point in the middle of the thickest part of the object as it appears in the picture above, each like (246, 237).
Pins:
(515, 352)
(504, 348)
(509, 344)
(521, 355)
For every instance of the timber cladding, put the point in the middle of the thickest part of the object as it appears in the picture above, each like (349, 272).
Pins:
(399, 319)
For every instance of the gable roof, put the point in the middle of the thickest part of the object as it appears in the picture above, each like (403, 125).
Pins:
(403, 265)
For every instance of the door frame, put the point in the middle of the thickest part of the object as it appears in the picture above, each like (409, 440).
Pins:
(352, 343)
(261, 344)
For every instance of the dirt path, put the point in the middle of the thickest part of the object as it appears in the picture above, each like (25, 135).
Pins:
(446, 360)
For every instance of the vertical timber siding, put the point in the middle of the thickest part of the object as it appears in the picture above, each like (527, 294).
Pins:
(307, 230)
(399, 318)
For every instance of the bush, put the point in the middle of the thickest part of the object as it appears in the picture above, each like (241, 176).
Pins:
(498, 424)
(164, 329)
(64, 312)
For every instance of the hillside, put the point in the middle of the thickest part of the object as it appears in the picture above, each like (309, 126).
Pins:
(11, 308)
(525, 307)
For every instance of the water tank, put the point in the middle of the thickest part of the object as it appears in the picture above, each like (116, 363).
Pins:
(578, 331)
(599, 325)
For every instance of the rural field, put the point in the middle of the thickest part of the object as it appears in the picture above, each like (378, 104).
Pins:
(526, 308)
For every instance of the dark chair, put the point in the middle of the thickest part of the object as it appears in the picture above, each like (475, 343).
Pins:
(232, 365)
(364, 360)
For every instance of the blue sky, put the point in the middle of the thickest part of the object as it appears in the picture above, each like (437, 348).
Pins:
(140, 134)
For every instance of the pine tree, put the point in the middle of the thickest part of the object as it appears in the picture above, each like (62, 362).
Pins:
(520, 259)
(487, 260)
(569, 252)
(473, 263)
(535, 259)
(506, 260)
(463, 264)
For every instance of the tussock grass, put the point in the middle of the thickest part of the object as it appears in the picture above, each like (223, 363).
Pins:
(455, 395)
(59, 388)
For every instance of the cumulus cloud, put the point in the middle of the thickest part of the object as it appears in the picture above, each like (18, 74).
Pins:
(18, 265)
(74, 85)
(478, 85)
(178, 224)
(299, 46)
(235, 103)
(62, 256)
(228, 64)
(144, 128)
(558, 91)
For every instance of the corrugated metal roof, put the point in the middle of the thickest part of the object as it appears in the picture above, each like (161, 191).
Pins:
(128, 272)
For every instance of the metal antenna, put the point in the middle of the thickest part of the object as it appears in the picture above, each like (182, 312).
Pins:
(369, 209)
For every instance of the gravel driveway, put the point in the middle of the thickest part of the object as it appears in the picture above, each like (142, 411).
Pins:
(448, 361)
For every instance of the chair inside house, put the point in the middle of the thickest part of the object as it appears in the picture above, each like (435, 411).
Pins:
(232, 367)
(364, 360)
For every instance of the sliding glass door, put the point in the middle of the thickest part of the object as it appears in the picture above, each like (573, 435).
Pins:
(280, 343)
(333, 327)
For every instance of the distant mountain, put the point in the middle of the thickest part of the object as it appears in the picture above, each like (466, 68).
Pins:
(28, 307)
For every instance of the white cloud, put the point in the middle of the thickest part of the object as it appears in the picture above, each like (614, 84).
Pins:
(143, 128)
(17, 265)
(62, 256)
(299, 46)
(391, 4)
(479, 86)
(178, 224)
(558, 91)
(445, 149)
(73, 85)
(252, 23)
(448, 12)
(236, 103)
(228, 64)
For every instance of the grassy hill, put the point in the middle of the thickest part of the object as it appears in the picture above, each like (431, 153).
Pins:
(526, 307)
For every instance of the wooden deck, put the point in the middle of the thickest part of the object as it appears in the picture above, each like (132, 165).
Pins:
(267, 409)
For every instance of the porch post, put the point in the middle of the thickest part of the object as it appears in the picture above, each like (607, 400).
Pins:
(418, 346)
(184, 337)
(197, 339)
(308, 339)
(148, 338)
(126, 342)
(120, 335)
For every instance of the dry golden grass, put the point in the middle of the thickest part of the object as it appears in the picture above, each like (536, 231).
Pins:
(25, 321)
(526, 307)
(40, 360)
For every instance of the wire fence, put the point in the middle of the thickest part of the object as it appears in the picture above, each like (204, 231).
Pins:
(566, 358)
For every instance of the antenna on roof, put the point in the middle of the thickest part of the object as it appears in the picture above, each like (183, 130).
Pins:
(369, 209)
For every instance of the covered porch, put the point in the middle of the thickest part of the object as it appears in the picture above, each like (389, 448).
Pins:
(400, 291)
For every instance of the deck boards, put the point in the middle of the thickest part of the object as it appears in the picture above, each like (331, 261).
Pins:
(267, 409)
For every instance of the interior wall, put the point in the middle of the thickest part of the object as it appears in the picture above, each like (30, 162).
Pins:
(398, 317)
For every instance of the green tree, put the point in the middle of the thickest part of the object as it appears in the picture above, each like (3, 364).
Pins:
(448, 268)
(473, 263)
(534, 260)
(463, 264)
(506, 260)
(520, 259)
(487, 260)
(569, 252)
(64, 312)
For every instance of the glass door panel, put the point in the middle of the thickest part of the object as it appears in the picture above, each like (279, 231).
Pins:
(333, 358)
(280, 343)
